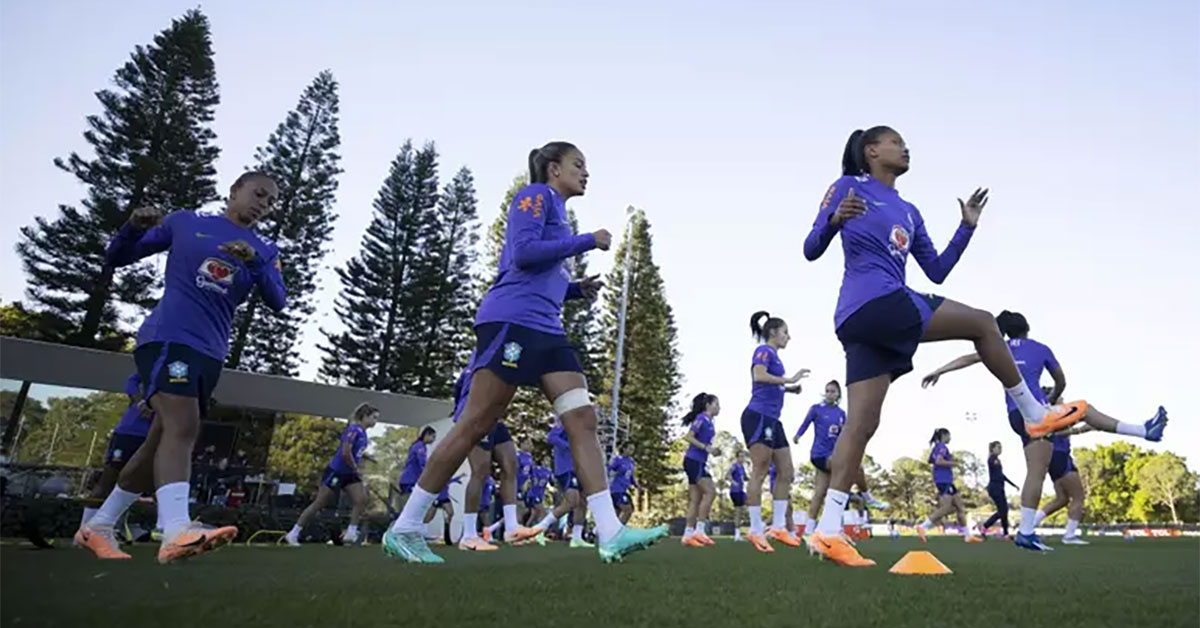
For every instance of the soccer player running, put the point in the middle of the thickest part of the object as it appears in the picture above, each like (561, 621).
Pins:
(943, 478)
(341, 474)
(414, 464)
(521, 342)
(880, 321)
(621, 479)
(995, 489)
(214, 262)
(525, 466)
(763, 431)
(737, 493)
(701, 490)
(1068, 486)
(496, 446)
(127, 437)
(570, 501)
(1035, 358)
(535, 495)
(827, 419)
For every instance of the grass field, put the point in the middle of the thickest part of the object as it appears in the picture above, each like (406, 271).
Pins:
(1152, 582)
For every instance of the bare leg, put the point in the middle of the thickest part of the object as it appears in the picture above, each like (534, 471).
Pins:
(708, 492)
(1059, 502)
(358, 501)
(580, 425)
(488, 399)
(945, 506)
(820, 485)
(865, 404)
(785, 473)
(955, 321)
(323, 495)
(1037, 464)
(693, 505)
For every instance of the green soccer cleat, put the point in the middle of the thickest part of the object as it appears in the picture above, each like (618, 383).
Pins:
(581, 544)
(628, 541)
(409, 547)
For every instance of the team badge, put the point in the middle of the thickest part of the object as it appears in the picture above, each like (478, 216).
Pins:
(512, 354)
(899, 240)
(177, 372)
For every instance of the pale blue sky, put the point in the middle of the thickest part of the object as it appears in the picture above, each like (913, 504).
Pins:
(726, 125)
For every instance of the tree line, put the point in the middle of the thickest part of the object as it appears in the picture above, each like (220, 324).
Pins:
(406, 299)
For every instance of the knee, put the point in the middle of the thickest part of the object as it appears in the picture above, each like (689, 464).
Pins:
(985, 324)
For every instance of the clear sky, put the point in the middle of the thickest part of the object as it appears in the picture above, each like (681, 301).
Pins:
(726, 122)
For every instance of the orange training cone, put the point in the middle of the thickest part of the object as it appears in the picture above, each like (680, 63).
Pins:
(919, 563)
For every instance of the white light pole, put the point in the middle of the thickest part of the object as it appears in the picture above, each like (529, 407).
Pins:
(616, 392)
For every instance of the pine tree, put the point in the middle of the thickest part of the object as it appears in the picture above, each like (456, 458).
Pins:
(153, 146)
(446, 292)
(650, 376)
(379, 303)
(301, 155)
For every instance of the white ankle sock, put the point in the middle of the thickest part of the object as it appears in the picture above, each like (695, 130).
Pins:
(831, 515)
(1028, 520)
(1038, 518)
(1131, 429)
(779, 514)
(1072, 528)
(547, 521)
(496, 526)
(926, 524)
(604, 514)
(702, 527)
(577, 532)
(295, 531)
(352, 530)
(115, 505)
(688, 531)
(88, 513)
(469, 521)
(510, 518)
(173, 504)
(412, 518)
(1031, 409)
(756, 522)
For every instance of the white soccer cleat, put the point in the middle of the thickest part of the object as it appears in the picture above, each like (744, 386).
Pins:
(294, 541)
(1074, 540)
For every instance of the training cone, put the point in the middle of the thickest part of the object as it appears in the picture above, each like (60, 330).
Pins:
(919, 564)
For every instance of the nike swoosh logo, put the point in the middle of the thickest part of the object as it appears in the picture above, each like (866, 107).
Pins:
(1073, 411)
(202, 235)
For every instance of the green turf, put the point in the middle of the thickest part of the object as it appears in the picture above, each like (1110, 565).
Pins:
(1111, 583)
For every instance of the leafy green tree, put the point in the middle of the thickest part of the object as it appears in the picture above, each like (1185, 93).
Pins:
(909, 489)
(301, 447)
(71, 428)
(1109, 474)
(1164, 480)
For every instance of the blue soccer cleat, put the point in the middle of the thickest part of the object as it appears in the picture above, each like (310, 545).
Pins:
(1031, 542)
(1155, 426)
(409, 547)
(628, 541)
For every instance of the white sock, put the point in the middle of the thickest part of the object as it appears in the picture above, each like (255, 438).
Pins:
(701, 527)
(737, 533)
(469, 520)
(688, 531)
(577, 532)
(295, 531)
(831, 516)
(1031, 409)
(1072, 528)
(510, 518)
(868, 496)
(88, 513)
(1131, 429)
(779, 514)
(1039, 518)
(173, 504)
(115, 505)
(495, 526)
(756, 522)
(412, 518)
(352, 530)
(547, 521)
(604, 514)
(926, 524)
(1028, 520)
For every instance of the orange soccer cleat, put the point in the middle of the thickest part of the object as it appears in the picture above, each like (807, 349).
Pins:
(703, 538)
(839, 550)
(760, 543)
(1057, 418)
(783, 536)
(690, 540)
(102, 541)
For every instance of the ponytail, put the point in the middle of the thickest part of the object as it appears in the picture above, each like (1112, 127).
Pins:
(854, 157)
(362, 411)
(699, 404)
(1012, 324)
(938, 434)
(763, 330)
(541, 158)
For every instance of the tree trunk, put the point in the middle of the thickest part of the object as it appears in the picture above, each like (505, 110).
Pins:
(86, 336)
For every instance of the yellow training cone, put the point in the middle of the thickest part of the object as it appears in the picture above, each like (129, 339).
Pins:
(919, 563)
